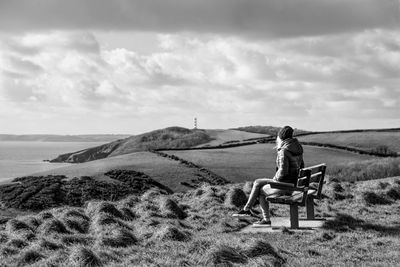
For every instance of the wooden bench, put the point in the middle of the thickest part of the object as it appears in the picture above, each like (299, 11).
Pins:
(315, 187)
(309, 187)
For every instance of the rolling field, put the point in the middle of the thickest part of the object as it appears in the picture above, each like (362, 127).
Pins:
(222, 136)
(361, 140)
(165, 171)
(244, 163)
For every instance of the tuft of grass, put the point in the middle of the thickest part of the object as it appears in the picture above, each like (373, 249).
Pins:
(75, 239)
(77, 214)
(394, 193)
(129, 215)
(105, 219)
(29, 257)
(53, 226)
(3, 238)
(77, 224)
(17, 243)
(262, 248)
(33, 222)
(224, 255)
(236, 197)
(7, 251)
(372, 198)
(119, 238)
(172, 209)
(45, 215)
(15, 225)
(84, 257)
(46, 244)
(170, 232)
(103, 207)
(130, 201)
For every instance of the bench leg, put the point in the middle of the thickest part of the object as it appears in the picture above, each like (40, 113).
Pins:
(310, 208)
(294, 216)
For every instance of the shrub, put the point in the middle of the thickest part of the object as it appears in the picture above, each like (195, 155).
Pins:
(223, 255)
(236, 197)
(373, 198)
(29, 257)
(84, 257)
(172, 209)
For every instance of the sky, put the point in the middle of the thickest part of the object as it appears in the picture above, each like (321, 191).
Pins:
(132, 66)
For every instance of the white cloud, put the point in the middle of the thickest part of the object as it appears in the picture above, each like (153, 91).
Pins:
(226, 82)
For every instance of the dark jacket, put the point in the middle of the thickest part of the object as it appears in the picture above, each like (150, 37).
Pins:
(288, 161)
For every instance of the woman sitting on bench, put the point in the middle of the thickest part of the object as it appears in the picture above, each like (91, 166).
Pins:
(289, 161)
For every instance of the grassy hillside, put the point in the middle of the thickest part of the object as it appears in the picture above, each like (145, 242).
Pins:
(220, 137)
(369, 140)
(171, 173)
(196, 229)
(172, 137)
(243, 163)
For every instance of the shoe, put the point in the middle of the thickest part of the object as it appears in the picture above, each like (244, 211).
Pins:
(244, 213)
(262, 222)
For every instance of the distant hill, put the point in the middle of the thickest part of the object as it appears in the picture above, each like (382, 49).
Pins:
(168, 138)
(62, 138)
(269, 130)
(172, 137)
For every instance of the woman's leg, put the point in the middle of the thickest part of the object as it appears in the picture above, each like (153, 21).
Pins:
(255, 192)
(264, 204)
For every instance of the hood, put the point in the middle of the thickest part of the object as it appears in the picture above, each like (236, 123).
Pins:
(293, 146)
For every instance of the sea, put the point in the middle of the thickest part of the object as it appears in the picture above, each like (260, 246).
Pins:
(22, 158)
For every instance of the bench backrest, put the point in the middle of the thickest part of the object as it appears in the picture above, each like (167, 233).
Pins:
(316, 178)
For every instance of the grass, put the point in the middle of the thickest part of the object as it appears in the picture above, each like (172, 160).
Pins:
(240, 164)
(369, 141)
(361, 233)
(365, 170)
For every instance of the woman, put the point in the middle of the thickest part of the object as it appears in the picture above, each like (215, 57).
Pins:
(289, 161)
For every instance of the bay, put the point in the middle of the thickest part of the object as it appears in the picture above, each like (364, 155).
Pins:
(21, 158)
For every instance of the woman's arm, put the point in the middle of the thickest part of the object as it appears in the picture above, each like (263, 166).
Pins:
(283, 166)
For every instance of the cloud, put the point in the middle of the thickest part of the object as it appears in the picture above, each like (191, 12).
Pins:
(254, 18)
(225, 82)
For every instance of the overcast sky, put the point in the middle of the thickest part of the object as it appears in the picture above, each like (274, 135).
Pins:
(130, 66)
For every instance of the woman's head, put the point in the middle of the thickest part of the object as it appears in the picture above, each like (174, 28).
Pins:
(285, 133)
